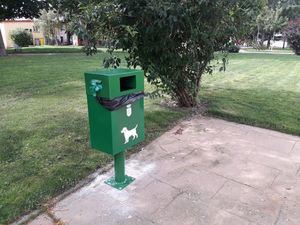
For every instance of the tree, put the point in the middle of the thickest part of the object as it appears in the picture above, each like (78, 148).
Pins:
(70, 10)
(292, 33)
(172, 40)
(48, 22)
(11, 9)
(269, 21)
(291, 9)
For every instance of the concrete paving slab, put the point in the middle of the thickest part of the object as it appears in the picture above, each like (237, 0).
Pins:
(288, 186)
(295, 153)
(203, 171)
(184, 211)
(156, 194)
(268, 141)
(247, 172)
(201, 184)
(281, 163)
(247, 202)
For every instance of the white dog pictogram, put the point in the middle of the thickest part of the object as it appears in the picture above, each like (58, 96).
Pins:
(128, 133)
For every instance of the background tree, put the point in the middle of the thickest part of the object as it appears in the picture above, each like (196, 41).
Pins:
(269, 21)
(292, 33)
(291, 9)
(11, 9)
(48, 23)
(68, 10)
(173, 40)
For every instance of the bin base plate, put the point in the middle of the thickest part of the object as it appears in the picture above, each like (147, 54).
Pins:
(119, 185)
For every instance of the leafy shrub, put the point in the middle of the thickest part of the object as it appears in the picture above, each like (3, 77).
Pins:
(292, 33)
(21, 38)
(172, 40)
(232, 48)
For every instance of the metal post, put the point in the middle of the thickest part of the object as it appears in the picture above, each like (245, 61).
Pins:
(119, 164)
(120, 180)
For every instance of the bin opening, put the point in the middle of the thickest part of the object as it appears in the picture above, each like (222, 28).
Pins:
(127, 83)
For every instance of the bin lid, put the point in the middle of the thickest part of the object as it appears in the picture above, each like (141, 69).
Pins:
(115, 82)
(114, 71)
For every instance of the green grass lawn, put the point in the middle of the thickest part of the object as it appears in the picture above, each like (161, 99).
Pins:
(274, 50)
(52, 49)
(44, 147)
(257, 89)
(46, 49)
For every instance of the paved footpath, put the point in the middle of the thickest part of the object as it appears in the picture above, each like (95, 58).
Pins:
(204, 171)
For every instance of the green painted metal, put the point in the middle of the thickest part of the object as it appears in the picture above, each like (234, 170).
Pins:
(106, 126)
(119, 164)
(96, 86)
(119, 185)
(120, 180)
(115, 131)
(116, 82)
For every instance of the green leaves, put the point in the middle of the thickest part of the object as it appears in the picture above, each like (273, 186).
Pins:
(173, 41)
(21, 38)
(292, 33)
(19, 9)
(111, 61)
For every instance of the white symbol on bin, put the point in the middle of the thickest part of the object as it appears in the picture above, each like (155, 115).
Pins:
(129, 133)
(128, 110)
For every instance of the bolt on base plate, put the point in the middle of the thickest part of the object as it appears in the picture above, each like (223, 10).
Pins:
(119, 185)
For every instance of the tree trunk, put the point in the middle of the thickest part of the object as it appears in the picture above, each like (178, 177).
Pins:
(257, 35)
(269, 42)
(185, 96)
(188, 96)
(69, 37)
(262, 40)
(2, 47)
(185, 99)
(283, 46)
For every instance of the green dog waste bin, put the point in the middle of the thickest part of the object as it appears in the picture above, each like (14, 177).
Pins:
(116, 115)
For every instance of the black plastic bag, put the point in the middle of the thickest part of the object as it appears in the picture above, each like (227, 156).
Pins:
(118, 102)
